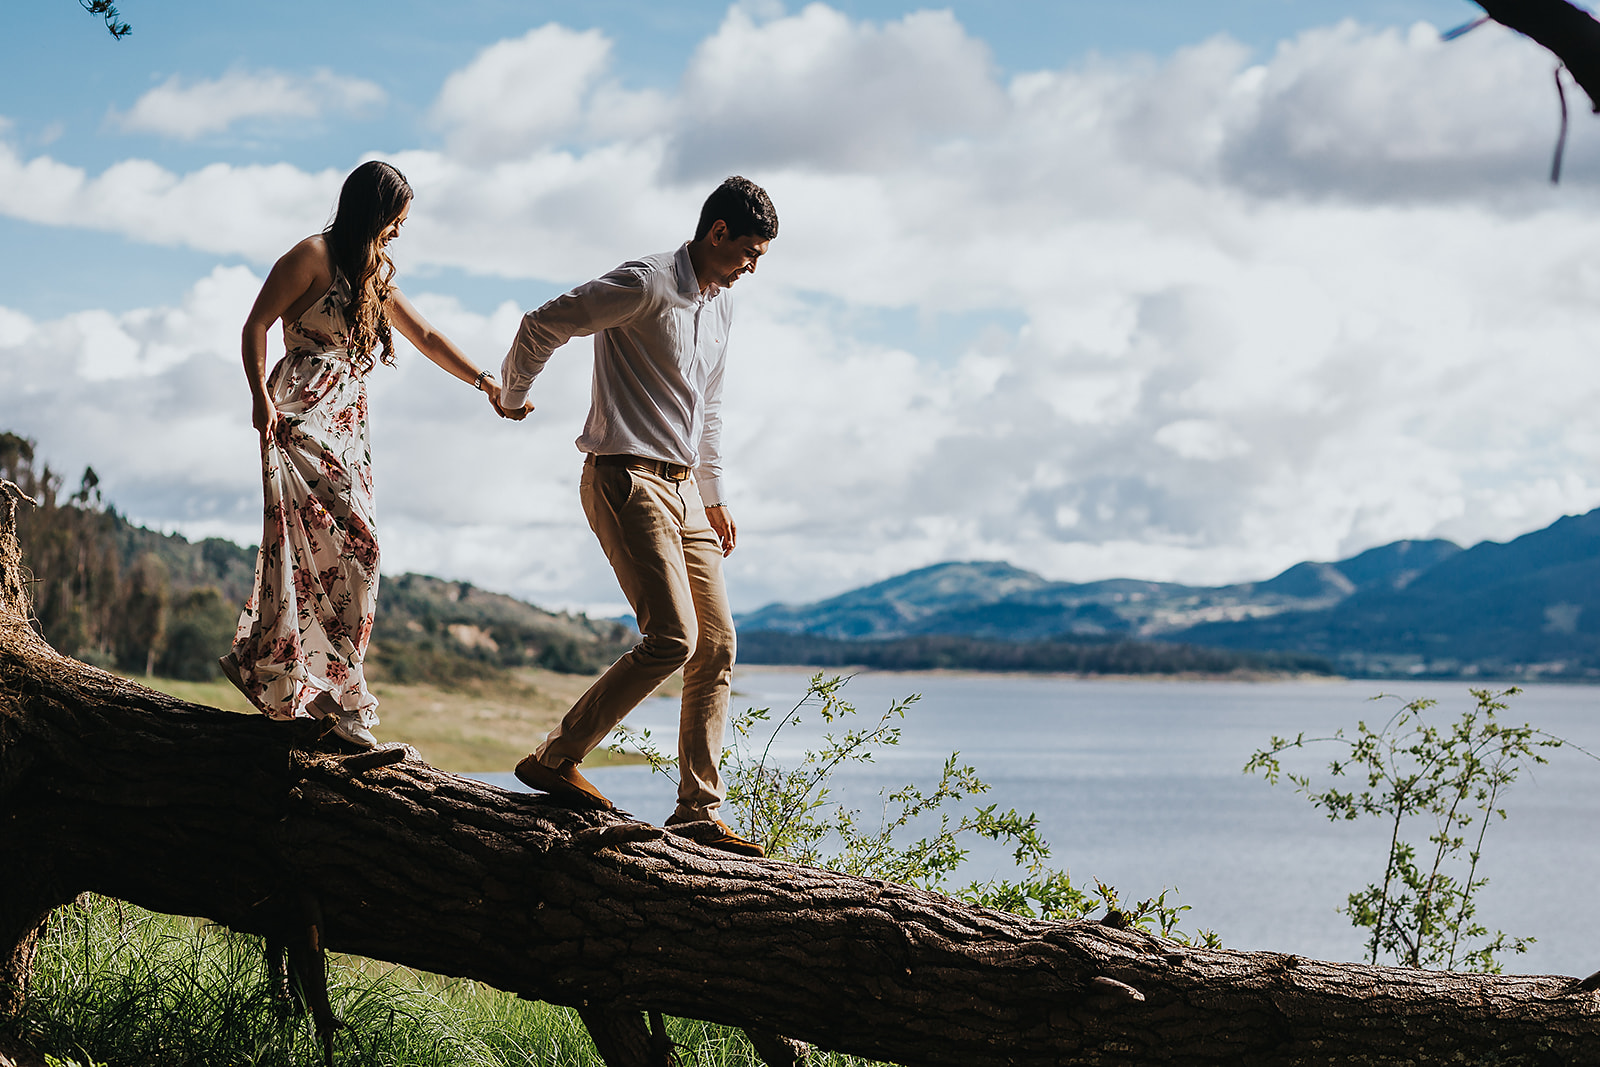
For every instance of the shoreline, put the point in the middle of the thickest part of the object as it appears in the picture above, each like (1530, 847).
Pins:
(1476, 682)
(967, 672)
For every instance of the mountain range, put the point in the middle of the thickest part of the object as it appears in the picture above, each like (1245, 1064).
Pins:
(1528, 608)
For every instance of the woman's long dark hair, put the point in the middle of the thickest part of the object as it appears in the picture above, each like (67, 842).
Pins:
(372, 198)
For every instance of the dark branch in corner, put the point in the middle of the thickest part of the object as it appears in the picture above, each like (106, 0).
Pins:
(1568, 31)
(108, 11)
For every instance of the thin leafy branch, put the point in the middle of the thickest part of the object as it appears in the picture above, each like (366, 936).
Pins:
(106, 10)
(792, 812)
(1450, 779)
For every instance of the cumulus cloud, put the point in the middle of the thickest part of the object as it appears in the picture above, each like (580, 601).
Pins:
(146, 397)
(254, 211)
(518, 95)
(1196, 318)
(210, 105)
(819, 89)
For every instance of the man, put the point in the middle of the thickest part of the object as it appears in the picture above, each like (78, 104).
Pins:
(652, 490)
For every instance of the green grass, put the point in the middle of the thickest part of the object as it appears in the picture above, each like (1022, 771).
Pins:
(115, 986)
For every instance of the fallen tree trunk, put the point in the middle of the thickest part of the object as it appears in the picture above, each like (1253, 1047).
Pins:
(108, 786)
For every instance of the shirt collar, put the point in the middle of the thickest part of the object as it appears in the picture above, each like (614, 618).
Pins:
(688, 283)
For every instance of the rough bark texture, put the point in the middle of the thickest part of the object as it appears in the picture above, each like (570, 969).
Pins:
(107, 786)
(1568, 31)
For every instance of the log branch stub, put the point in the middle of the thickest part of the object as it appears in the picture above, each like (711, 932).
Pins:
(13, 589)
(776, 1050)
(622, 1038)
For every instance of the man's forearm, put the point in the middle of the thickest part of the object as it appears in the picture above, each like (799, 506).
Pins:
(588, 309)
(529, 352)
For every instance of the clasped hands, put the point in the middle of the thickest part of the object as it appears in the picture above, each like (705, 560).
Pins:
(491, 389)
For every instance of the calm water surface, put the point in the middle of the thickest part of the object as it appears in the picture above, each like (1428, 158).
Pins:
(1139, 784)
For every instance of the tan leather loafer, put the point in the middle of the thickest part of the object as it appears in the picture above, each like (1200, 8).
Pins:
(563, 782)
(715, 833)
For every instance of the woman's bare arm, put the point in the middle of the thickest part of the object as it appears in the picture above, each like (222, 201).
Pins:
(439, 348)
(302, 272)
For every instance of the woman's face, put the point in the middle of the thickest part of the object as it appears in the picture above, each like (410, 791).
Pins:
(391, 231)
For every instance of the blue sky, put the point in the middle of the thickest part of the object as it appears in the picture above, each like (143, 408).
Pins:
(1170, 290)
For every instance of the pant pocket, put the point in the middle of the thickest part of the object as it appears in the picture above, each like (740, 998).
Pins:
(616, 485)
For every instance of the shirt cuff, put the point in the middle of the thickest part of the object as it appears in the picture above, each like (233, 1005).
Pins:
(511, 399)
(710, 491)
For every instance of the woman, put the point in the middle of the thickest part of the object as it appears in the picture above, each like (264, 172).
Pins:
(303, 634)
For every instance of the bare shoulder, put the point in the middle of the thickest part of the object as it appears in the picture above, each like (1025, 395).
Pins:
(294, 282)
(308, 257)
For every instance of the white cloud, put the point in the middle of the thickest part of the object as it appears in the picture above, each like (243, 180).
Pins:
(1198, 318)
(210, 105)
(818, 89)
(517, 95)
(255, 211)
(145, 398)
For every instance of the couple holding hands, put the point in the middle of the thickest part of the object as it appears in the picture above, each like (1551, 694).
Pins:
(651, 485)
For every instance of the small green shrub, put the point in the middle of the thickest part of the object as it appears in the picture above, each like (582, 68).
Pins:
(200, 630)
(1450, 780)
(792, 813)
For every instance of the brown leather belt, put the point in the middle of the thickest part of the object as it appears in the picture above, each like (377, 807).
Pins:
(659, 467)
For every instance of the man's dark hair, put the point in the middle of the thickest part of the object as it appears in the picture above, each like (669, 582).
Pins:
(743, 205)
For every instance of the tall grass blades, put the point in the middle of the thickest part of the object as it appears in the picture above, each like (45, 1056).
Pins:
(116, 986)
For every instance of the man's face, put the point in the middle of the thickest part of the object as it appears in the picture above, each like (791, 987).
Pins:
(728, 258)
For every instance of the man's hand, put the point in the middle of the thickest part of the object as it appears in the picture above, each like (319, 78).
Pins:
(721, 520)
(515, 414)
(491, 389)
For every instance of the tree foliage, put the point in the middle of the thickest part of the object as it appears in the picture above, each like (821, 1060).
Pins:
(1450, 781)
(108, 11)
(793, 812)
(115, 594)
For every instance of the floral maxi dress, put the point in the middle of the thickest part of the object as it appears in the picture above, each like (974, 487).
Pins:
(306, 626)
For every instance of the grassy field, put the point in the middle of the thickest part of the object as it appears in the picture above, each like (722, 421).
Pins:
(116, 986)
(480, 726)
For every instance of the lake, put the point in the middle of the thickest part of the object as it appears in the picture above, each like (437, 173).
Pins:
(1139, 784)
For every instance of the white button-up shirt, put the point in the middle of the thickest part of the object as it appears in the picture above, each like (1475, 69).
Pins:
(659, 349)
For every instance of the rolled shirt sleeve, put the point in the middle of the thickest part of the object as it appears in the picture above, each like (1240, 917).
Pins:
(594, 306)
(708, 475)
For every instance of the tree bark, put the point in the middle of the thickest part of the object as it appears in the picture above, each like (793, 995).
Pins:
(1568, 31)
(108, 786)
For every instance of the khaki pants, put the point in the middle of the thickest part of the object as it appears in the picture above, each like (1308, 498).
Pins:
(669, 563)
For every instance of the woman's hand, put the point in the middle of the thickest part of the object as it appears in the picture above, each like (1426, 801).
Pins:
(492, 387)
(264, 416)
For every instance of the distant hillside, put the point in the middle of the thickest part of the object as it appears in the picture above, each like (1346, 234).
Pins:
(1529, 608)
(433, 630)
(1000, 602)
(1526, 608)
